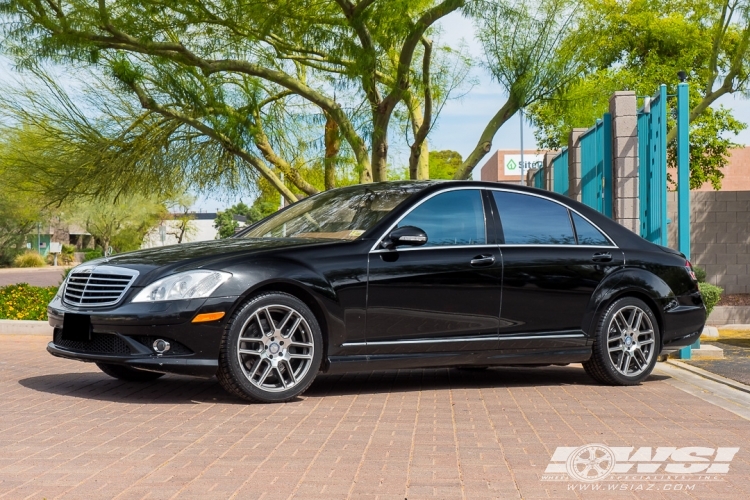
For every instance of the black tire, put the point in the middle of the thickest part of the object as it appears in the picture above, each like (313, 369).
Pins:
(128, 374)
(630, 361)
(292, 367)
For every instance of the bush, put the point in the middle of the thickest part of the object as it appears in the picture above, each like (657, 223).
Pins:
(29, 259)
(700, 274)
(24, 301)
(93, 254)
(711, 295)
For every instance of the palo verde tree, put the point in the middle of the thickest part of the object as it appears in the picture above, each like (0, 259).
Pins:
(533, 50)
(231, 72)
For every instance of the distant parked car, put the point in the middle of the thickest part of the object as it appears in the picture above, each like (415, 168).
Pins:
(386, 276)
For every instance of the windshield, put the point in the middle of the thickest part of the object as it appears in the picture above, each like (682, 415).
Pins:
(344, 213)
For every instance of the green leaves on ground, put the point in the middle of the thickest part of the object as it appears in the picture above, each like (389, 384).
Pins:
(23, 301)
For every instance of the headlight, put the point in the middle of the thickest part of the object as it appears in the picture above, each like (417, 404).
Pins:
(187, 285)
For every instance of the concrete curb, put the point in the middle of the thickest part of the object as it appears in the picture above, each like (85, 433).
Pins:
(710, 376)
(24, 327)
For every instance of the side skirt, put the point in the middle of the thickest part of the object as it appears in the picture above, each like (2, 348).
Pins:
(353, 364)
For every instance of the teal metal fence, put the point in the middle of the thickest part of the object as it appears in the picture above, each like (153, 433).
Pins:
(596, 166)
(652, 159)
(560, 173)
(539, 178)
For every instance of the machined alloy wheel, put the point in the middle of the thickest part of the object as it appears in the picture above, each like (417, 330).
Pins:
(275, 348)
(630, 340)
(626, 344)
(272, 349)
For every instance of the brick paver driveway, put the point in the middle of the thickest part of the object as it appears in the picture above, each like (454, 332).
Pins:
(68, 430)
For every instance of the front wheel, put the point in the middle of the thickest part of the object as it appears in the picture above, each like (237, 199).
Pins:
(626, 344)
(271, 350)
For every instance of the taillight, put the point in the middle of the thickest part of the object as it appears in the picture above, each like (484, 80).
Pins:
(690, 271)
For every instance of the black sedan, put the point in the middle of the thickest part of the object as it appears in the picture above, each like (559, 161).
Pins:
(386, 276)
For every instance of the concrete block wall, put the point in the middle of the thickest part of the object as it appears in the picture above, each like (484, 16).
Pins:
(625, 201)
(574, 163)
(719, 236)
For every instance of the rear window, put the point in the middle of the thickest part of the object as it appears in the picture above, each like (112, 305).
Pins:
(530, 220)
(587, 233)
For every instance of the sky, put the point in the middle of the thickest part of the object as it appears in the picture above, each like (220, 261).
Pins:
(462, 120)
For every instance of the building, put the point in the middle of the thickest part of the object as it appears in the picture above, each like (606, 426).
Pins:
(505, 165)
(736, 173)
(199, 227)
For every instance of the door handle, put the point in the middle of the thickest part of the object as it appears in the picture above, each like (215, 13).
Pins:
(483, 260)
(602, 257)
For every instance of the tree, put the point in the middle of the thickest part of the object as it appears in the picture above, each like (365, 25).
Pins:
(644, 43)
(528, 54)
(230, 72)
(227, 226)
(444, 164)
(709, 147)
(121, 223)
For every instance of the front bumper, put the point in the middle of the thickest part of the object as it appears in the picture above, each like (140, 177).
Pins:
(124, 335)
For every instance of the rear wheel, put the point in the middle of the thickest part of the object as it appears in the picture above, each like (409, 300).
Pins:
(626, 344)
(271, 350)
(129, 374)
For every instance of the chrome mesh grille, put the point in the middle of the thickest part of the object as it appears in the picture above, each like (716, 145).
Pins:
(98, 286)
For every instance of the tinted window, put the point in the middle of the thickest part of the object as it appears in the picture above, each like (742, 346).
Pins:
(533, 221)
(587, 233)
(343, 213)
(452, 218)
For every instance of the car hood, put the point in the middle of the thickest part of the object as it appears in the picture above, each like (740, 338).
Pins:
(153, 263)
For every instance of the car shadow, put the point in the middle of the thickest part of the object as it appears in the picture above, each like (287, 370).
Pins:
(175, 389)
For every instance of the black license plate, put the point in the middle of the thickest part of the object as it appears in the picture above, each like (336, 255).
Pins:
(76, 327)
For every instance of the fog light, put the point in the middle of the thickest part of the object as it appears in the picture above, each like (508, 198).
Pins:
(161, 346)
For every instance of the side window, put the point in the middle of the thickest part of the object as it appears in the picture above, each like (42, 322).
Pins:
(452, 218)
(587, 233)
(530, 220)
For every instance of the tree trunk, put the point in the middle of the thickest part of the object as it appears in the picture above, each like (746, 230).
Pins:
(380, 144)
(333, 145)
(484, 145)
(419, 157)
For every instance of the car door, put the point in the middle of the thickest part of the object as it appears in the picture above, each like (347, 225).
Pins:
(444, 295)
(553, 261)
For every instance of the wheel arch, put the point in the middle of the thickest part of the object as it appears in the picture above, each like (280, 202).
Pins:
(637, 283)
(299, 291)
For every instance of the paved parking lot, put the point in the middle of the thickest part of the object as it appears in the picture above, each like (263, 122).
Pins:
(67, 430)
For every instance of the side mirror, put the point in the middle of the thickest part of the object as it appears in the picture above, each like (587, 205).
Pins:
(405, 236)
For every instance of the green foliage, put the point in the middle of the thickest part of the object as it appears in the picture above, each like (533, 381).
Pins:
(244, 84)
(67, 255)
(640, 44)
(92, 254)
(261, 208)
(121, 223)
(23, 301)
(711, 295)
(29, 259)
(444, 164)
(19, 212)
(700, 274)
(709, 146)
